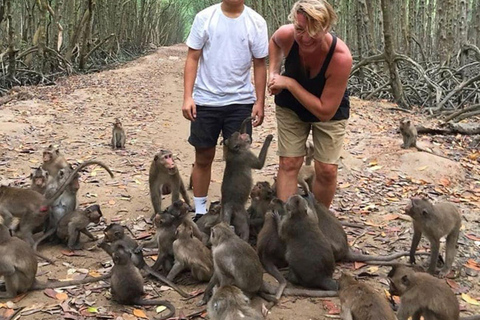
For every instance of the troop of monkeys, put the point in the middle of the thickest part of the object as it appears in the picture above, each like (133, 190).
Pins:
(300, 234)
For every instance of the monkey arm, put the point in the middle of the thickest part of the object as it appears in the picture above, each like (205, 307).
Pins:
(346, 313)
(417, 235)
(88, 234)
(258, 163)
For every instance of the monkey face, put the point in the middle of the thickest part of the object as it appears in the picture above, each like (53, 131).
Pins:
(238, 141)
(47, 156)
(215, 208)
(296, 206)
(113, 232)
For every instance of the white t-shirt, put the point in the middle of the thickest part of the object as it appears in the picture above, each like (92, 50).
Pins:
(228, 46)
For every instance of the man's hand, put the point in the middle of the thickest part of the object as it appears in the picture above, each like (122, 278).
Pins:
(189, 109)
(258, 113)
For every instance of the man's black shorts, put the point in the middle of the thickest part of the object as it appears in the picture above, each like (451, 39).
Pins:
(210, 121)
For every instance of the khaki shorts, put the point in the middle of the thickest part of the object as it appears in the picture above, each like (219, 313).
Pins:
(293, 134)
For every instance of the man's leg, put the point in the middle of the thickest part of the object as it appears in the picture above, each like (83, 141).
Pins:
(287, 176)
(201, 176)
(325, 182)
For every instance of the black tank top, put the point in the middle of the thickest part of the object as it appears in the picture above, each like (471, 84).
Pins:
(293, 69)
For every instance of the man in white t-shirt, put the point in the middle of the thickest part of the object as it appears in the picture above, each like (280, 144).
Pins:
(218, 92)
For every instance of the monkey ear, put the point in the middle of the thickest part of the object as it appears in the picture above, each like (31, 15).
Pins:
(425, 212)
(155, 158)
(117, 233)
(405, 280)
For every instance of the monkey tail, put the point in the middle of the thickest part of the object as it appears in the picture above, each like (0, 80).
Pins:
(476, 317)
(164, 303)
(355, 256)
(59, 284)
(166, 281)
(62, 188)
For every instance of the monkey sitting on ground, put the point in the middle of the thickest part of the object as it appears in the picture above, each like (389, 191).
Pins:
(237, 179)
(308, 253)
(435, 221)
(360, 301)
(163, 176)
(53, 161)
(39, 180)
(73, 223)
(127, 283)
(229, 303)
(410, 134)
(211, 218)
(235, 262)
(262, 195)
(118, 135)
(270, 248)
(191, 253)
(306, 174)
(115, 236)
(18, 266)
(333, 231)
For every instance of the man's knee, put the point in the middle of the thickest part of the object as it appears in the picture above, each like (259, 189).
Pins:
(325, 172)
(204, 157)
(290, 164)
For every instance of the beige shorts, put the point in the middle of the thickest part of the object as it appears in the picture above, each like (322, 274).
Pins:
(293, 134)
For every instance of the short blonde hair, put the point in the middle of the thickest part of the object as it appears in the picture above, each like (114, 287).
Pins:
(319, 14)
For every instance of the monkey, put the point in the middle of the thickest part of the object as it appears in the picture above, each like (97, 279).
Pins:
(235, 262)
(229, 303)
(40, 179)
(118, 135)
(190, 180)
(435, 221)
(237, 179)
(126, 283)
(53, 160)
(306, 174)
(308, 252)
(32, 207)
(189, 252)
(115, 236)
(66, 202)
(410, 134)
(331, 227)
(270, 248)
(18, 266)
(73, 223)
(164, 174)
(360, 301)
(211, 218)
(261, 195)
(422, 295)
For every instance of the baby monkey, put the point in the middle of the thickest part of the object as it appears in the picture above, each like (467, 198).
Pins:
(73, 223)
(118, 135)
(229, 303)
(435, 221)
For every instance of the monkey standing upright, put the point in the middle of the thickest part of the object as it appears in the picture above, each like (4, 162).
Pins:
(164, 174)
(435, 221)
(118, 135)
(237, 179)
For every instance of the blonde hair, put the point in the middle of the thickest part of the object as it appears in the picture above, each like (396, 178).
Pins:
(319, 14)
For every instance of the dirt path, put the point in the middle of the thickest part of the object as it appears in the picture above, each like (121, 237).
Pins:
(376, 177)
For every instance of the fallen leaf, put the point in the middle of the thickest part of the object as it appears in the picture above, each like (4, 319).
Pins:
(472, 237)
(92, 309)
(139, 313)
(160, 309)
(50, 293)
(422, 168)
(112, 202)
(61, 296)
(470, 300)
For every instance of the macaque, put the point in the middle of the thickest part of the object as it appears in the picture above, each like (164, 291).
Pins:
(73, 223)
(229, 303)
(118, 135)
(53, 160)
(306, 175)
(39, 180)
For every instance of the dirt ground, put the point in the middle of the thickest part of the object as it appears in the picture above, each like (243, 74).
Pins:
(376, 178)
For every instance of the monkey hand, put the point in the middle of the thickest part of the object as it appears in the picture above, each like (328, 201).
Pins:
(269, 137)
(138, 249)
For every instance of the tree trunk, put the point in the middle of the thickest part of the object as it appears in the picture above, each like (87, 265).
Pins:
(40, 37)
(85, 48)
(395, 83)
(11, 52)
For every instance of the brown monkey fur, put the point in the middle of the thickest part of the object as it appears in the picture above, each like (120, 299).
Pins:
(306, 175)
(309, 255)
(211, 218)
(163, 176)
(410, 134)
(66, 202)
(115, 236)
(39, 180)
(435, 222)
(18, 266)
(190, 253)
(229, 303)
(237, 179)
(422, 295)
(32, 213)
(127, 283)
(270, 248)
(331, 227)
(118, 135)
(360, 301)
(261, 195)
(73, 223)
(235, 262)
(53, 160)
